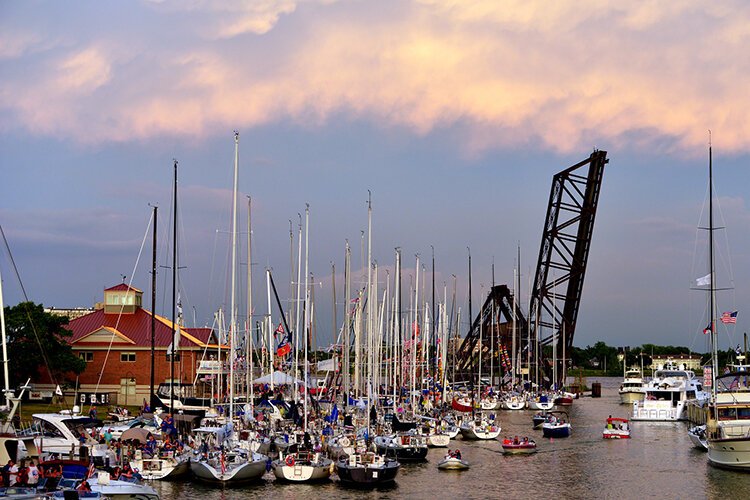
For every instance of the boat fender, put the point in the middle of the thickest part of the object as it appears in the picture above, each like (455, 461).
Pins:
(345, 442)
(290, 461)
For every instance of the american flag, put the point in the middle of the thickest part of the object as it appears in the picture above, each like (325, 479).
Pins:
(729, 317)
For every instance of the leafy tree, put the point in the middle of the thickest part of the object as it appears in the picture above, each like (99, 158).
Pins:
(36, 344)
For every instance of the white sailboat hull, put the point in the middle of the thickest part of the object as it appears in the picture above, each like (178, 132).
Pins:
(301, 473)
(234, 474)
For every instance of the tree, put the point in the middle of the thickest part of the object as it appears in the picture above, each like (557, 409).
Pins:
(36, 344)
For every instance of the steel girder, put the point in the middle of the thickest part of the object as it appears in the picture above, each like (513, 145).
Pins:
(564, 250)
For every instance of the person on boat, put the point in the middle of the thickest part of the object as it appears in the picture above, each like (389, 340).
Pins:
(515, 440)
(84, 487)
(33, 474)
(13, 474)
(116, 473)
(6, 473)
(146, 408)
(457, 454)
(127, 472)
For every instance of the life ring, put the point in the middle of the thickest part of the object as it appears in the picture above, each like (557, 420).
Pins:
(289, 460)
(344, 442)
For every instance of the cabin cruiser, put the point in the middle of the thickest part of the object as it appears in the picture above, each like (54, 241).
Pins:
(667, 394)
(61, 433)
(631, 388)
(728, 425)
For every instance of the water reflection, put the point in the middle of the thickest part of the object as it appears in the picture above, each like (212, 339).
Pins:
(658, 462)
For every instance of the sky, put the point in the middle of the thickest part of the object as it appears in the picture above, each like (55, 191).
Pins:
(453, 114)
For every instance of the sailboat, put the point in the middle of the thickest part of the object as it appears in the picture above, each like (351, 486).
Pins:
(225, 460)
(728, 424)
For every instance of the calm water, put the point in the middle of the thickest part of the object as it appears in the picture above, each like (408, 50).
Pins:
(658, 462)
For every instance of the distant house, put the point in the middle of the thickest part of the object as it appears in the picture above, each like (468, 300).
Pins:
(691, 361)
(115, 342)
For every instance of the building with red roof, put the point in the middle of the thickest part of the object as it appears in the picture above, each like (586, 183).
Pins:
(115, 342)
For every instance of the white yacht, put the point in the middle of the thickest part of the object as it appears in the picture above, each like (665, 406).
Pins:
(59, 433)
(728, 426)
(631, 389)
(667, 394)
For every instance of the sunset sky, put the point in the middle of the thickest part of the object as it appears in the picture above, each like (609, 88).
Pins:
(454, 114)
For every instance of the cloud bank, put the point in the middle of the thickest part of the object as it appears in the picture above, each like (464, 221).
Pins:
(562, 76)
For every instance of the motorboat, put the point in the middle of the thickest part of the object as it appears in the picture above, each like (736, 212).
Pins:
(453, 461)
(564, 398)
(697, 435)
(557, 425)
(480, 429)
(60, 433)
(405, 447)
(631, 389)
(121, 490)
(302, 466)
(367, 469)
(516, 446)
(668, 393)
(103, 486)
(616, 428)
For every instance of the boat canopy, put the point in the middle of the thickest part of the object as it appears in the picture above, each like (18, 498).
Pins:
(279, 378)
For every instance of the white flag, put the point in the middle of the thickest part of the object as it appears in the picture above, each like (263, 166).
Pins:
(704, 281)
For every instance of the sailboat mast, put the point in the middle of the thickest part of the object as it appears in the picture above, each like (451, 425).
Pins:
(249, 328)
(347, 323)
(152, 400)
(174, 293)
(233, 315)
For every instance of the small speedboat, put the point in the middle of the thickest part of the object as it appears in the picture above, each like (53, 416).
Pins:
(697, 435)
(557, 425)
(453, 462)
(616, 428)
(517, 446)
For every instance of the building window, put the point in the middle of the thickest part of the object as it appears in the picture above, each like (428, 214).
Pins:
(127, 357)
(176, 357)
(87, 356)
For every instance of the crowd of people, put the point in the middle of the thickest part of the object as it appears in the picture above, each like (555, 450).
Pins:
(26, 473)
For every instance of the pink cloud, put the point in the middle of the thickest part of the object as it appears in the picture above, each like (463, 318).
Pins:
(564, 76)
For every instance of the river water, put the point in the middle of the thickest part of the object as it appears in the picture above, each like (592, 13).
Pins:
(657, 462)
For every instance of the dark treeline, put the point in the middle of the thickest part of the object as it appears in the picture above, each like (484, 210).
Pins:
(599, 355)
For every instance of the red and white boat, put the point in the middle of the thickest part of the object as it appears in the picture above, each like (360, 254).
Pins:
(461, 404)
(518, 446)
(616, 428)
